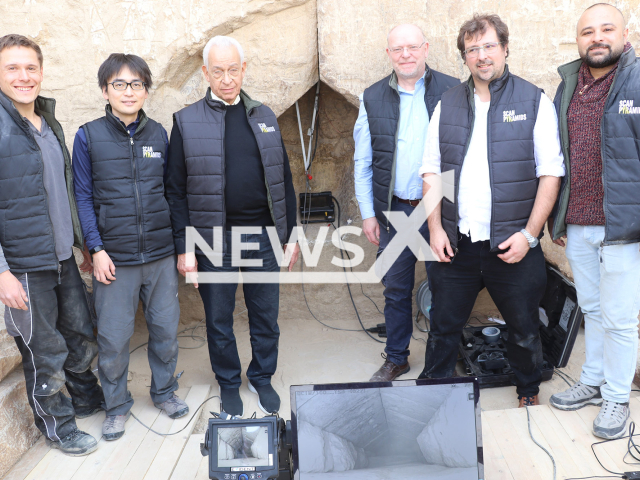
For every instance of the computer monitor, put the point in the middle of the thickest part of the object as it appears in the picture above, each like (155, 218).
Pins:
(413, 429)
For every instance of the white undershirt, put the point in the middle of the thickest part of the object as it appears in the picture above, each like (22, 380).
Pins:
(474, 194)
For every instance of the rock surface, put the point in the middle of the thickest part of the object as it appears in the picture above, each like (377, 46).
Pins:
(17, 429)
(9, 353)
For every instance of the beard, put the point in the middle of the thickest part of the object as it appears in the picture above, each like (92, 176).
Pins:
(602, 61)
(409, 75)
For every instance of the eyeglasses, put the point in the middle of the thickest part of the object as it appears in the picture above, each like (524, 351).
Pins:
(410, 48)
(489, 48)
(218, 74)
(120, 86)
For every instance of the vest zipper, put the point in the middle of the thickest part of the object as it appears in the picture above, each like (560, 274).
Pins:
(138, 206)
(224, 185)
(59, 272)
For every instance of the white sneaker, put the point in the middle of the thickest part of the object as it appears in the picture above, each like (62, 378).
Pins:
(577, 396)
(611, 422)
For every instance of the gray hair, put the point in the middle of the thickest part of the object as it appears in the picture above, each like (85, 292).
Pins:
(424, 37)
(221, 41)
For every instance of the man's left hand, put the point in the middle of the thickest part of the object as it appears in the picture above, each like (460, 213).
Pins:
(294, 250)
(516, 247)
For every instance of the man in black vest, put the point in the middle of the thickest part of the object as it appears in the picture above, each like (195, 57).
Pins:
(46, 308)
(389, 135)
(598, 104)
(228, 178)
(498, 134)
(119, 165)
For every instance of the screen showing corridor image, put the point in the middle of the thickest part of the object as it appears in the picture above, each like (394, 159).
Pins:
(396, 432)
(243, 447)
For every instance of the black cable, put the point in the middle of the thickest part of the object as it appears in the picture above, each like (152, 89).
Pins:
(174, 433)
(553, 461)
(597, 476)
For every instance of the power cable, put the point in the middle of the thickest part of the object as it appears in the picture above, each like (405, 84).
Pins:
(553, 461)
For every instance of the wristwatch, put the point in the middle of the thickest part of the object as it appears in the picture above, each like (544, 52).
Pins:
(97, 249)
(533, 241)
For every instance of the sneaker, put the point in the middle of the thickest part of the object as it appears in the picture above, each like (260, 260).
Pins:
(611, 422)
(87, 412)
(174, 407)
(231, 401)
(268, 398)
(113, 426)
(577, 396)
(530, 401)
(389, 371)
(76, 444)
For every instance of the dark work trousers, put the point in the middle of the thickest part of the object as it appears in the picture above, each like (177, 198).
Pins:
(516, 289)
(262, 301)
(398, 291)
(55, 338)
(156, 284)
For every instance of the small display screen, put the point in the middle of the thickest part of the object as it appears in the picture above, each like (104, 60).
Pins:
(244, 446)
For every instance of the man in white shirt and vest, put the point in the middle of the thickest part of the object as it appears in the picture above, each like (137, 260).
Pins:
(498, 133)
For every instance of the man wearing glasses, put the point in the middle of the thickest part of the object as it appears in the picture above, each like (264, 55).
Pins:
(228, 172)
(389, 141)
(119, 164)
(498, 134)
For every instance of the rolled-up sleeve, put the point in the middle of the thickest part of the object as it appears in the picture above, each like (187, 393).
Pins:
(546, 141)
(431, 156)
(363, 158)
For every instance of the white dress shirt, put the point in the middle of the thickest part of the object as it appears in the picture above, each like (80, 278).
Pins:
(215, 97)
(474, 192)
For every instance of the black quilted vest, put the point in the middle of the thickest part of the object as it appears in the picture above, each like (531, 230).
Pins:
(382, 103)
(202, 129)
(512, 166)
(128, 189)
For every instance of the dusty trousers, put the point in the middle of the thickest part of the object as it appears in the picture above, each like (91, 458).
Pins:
(156, 284)
(516, 289)
(55, 339)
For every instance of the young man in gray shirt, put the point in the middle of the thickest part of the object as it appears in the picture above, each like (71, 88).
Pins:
(46, 310)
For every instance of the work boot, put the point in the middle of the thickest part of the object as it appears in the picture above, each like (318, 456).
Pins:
(268, 398)
(174, 407)
(87, 412)
(577, 396)
(76, 444)
(113, 426)
(530, 401)
(389, 371)
(231, 401)
(611, 422)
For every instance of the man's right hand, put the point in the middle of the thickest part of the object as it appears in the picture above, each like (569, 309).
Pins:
(12, 293)
(184, 269)
(103, 268)
(557, 241)
(371, 229)
(439, 242)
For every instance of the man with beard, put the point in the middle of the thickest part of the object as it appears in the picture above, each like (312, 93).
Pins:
(599, 211)
(389, 136)
(498, 134)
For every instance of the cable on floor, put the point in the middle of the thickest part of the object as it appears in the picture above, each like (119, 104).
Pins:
(553, 461)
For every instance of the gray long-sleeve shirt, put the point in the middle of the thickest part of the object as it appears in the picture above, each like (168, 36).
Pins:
(56, 188)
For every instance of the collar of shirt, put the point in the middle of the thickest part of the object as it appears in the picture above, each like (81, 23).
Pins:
(218, 99)
(419, 85)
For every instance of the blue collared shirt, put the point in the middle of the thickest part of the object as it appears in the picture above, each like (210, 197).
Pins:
(412, 131)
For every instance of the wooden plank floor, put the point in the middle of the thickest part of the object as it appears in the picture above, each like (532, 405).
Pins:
(139, 455)
(509, 452)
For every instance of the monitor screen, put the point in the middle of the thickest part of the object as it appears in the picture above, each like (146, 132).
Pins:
(244, 447)
(414, 429)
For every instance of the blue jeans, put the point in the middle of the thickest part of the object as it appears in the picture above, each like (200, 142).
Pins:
(398, 291)
(262, 302)
(608, 286)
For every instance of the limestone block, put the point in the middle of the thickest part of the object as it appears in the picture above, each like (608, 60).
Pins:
(279, 39)
(225, 451)
(260, 445)
(17, 429)
(352, 37)
(323, 451)
(441, 442)
(9, 354)
(311, 445)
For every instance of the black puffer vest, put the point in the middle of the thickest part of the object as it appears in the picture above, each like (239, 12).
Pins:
(128, 189)
(382, 103)
(202, 129)
(512, 165)
(26, 232)
(620, 150)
